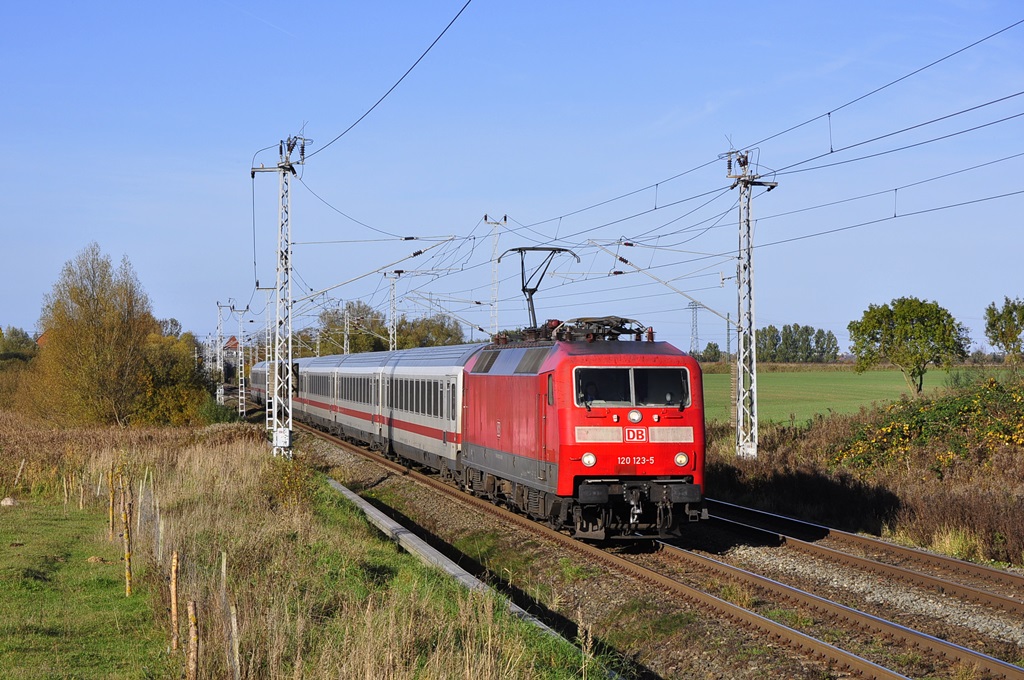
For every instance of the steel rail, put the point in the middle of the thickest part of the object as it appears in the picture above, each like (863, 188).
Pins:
(801, 642)
(917, 578)
(788, 526)
(894, 631)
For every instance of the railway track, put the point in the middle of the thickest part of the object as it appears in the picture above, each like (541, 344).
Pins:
(806, 645)
(925, 570)
(868, 623)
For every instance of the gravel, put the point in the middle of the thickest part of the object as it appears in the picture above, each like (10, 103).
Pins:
(909, 605)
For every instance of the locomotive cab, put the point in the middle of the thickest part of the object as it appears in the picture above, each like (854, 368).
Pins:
(632, 439)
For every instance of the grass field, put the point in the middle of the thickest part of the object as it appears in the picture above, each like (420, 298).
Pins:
(798, 396)
(63, 613)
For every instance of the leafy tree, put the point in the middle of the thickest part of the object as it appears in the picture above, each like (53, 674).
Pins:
(368, 328)
(826, 347)
(96, 322)
(170, 327)
(16, 351)
(712, 353)
(428, 331)
(796, 344)
(176, 388)
(1004, 326)
(911, 334)
(768, 341)
(16, 344)
(787, 346)
(803, 348)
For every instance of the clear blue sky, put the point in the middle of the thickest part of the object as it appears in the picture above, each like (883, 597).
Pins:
(135, 125)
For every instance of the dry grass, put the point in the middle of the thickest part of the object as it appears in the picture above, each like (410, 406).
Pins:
(317, 593)
(945, 472)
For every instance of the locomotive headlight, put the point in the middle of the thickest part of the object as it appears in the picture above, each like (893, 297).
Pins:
(682, 460)
(589, 459)
(635, 416)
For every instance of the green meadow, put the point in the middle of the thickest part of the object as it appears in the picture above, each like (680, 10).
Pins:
(797, 396)
(63, 612)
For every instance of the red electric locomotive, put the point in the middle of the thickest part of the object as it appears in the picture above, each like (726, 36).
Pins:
(588, 425)
(587, 429)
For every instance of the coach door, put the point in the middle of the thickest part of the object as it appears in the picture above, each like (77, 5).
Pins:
(380, 390)
(387, 412)
(542, 436)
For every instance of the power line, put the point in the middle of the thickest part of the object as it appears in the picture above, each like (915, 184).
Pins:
(889, 84)
(915, 213)
(789, 129)
(397, 83)
(324, 201)
(903, 148)
(906, 129)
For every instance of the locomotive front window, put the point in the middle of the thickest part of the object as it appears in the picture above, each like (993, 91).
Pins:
(632, 387)
(661, 387)
(603, 386)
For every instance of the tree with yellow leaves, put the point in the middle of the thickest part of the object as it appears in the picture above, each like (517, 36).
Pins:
(96, 321)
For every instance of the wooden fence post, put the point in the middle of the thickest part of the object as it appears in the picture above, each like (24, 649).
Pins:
(110, 485)
(126, 518)
(174, 601)
(17, 477)
(236, 665)
(192, 667)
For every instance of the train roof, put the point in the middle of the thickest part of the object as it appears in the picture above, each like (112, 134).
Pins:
(532, 357)
(447, 355)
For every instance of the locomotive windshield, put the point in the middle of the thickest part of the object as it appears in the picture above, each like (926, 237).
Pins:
(632, 387)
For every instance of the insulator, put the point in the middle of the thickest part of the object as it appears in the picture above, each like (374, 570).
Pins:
(628, 244)
(617, 272)
(728, 165)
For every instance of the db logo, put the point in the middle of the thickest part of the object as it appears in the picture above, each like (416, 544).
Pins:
(636, 434)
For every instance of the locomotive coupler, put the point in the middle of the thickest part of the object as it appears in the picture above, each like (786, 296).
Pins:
(635, 507)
